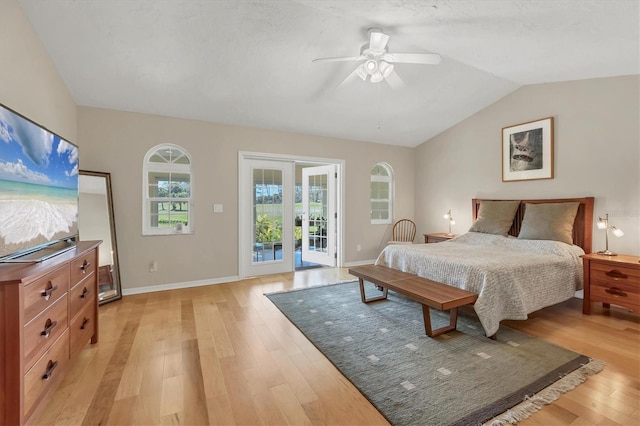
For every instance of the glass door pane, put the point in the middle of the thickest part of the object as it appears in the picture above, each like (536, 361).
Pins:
(267, 192)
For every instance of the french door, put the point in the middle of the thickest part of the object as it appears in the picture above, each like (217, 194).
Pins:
(319, 214)
(270, 203)
(266, 217)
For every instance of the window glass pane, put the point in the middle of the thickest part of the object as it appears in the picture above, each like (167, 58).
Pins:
(379, 171)
(180, 185)
(155, 158)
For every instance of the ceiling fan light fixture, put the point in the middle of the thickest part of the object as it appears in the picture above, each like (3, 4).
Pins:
(377, 77)
(360, 72)
(385, 68)
(371, 66)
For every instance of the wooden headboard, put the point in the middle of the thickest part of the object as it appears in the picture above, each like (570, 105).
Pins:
(582, 225)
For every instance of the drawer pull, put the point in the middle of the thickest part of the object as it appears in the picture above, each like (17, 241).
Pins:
(46, 294)
(85, 266)
(614, 273)
(84, 293)
(48, 327)
(616, 292)
(85, 321)
(50, 367)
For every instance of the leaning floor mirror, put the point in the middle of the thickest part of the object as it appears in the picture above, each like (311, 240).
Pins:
(96, 222)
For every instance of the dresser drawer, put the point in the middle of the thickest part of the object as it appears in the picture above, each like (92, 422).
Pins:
(82, 267)
(46, 373)
(82, 328)
(43, 330)
(82, 295)
(43, 292)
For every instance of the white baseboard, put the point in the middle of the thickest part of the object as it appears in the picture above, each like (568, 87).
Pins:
(359, 263)
(176, 286)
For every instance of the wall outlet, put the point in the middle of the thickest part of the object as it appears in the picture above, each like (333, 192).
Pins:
(217, 208)
(153, 266)
(358, 247)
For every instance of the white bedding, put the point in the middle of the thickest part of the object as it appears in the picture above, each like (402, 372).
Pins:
(513, 277)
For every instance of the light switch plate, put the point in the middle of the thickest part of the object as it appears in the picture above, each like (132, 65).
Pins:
(217, 208)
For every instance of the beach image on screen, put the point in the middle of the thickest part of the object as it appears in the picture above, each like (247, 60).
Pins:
(38, 185)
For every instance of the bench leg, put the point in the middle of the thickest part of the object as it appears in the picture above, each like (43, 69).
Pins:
(453, 321)
(363, 297)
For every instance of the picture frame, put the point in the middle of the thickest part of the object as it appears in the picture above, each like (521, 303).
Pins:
(527, 151)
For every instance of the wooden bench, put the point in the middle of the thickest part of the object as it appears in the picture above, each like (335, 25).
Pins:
(429, 293)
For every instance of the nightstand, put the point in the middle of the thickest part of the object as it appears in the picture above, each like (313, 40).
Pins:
(611, 280)
(437, 237)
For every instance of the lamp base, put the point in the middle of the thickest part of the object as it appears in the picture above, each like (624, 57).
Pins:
(607, 253)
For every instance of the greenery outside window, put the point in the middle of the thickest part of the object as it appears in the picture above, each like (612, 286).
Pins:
(381, 194)
(167, 192)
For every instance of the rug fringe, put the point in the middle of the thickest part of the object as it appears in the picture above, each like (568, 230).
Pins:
(548, 395)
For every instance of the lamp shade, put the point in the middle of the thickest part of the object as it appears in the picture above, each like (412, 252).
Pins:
(616, 231)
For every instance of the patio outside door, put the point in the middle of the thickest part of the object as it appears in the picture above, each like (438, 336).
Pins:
(319, 214)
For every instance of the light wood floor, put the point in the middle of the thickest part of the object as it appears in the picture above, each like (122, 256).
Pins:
(224, 354)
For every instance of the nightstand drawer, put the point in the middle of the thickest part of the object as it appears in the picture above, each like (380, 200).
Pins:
(618, 295)
(603, 272)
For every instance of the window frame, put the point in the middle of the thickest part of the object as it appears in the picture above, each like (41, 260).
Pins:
(165, 168)
(389, 200)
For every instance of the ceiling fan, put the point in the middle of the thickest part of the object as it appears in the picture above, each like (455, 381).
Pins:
(378, 62)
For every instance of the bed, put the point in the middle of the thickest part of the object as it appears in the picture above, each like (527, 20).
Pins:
(513, 276)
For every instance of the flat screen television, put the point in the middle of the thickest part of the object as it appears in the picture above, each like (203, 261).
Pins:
(38, 190)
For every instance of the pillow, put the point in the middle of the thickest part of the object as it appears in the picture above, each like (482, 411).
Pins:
(495, 217)
(549, 221)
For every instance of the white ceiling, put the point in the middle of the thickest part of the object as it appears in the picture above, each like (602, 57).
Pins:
(248, 62)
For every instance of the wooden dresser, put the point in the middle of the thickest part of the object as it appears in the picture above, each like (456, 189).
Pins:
(48, 313)
(611, 280)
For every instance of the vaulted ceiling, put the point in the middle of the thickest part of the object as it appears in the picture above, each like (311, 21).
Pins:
(249, 62)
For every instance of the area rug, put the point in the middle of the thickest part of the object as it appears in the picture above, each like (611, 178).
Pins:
(460, 378)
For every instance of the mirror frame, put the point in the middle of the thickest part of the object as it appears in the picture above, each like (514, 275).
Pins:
(114, 244)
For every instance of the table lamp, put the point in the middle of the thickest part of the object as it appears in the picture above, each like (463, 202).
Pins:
(449, 218)
(604, 224)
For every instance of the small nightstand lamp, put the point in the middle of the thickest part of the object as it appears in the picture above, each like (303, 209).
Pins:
(449, 218)
(604, 224)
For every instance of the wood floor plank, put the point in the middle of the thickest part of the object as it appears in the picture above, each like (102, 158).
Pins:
(289, 405)
(194, 398)
(224, 354)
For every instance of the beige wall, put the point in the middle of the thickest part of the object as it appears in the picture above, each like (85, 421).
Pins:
(116, 142)
(29, 82)
(597, 153)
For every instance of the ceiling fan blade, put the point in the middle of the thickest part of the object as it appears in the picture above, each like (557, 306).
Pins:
(358, 72)
(394, 80)
(378, 40)
(413, 58)
(340, 59)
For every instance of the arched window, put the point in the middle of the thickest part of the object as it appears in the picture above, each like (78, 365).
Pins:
(381, 194)
(167, 192)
